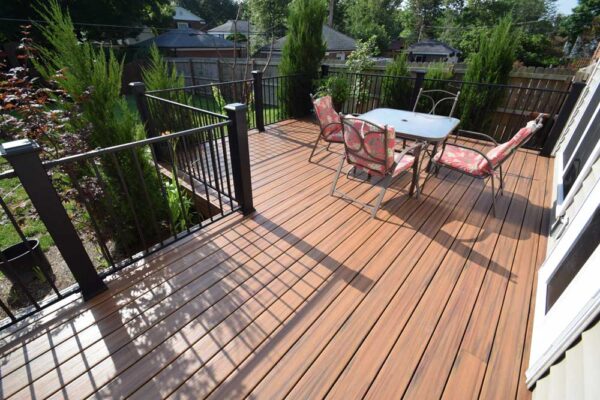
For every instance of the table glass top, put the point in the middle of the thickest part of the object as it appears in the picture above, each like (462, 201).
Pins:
(413, 124)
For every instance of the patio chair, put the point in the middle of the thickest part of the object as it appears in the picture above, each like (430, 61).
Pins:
(369, 148)
(435, 97)
(329, 121)
(481, 165)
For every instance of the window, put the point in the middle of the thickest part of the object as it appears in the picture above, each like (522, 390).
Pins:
(574, 260)
(183, 25)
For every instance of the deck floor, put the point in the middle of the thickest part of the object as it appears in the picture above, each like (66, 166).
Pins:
(309, 297)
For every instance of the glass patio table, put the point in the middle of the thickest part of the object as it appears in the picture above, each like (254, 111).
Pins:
(412, 125)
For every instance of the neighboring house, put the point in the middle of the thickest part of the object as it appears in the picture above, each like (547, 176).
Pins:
(184, 19)
(191, 43)
(432, 50)
(565, 348)
(232, 26)
(339, 46)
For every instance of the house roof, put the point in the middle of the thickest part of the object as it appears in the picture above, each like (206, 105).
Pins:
(334, 40)
(229, 27)
(431, 46)
(187, 38)
(183, 14)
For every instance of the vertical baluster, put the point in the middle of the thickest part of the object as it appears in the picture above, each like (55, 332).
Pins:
(124, 185)
(146, 194)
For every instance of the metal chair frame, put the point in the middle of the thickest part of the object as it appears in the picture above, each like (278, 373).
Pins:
(322, 129)
(387, 178)
(437, 165)
(436, 103)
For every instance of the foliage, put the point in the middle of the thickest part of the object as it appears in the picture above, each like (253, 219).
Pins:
(158, 75)
(584, 18)
(30, 109)
(269, 18)
(462, 25)
(214, 12)
(338, 88)
(396, 89)
(239, 37)
(491, 64)
(302, 53)
(368, 18)
(125, 17)
(180, 205)
(92, 78)
(361, 59)
(219, 99)
(358, 62)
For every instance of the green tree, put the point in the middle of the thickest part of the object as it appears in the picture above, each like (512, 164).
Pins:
(582, 19)
(396, 88)
(125, 17)
(92, 78)
(214, 12)
(269, 19)
(491, 64)
(302, 53)
(368, 18)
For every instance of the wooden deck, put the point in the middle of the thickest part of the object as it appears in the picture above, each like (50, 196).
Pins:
(309, 297)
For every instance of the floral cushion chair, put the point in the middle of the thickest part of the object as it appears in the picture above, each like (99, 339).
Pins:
(369, 149)
(481, 165)
(329, 121)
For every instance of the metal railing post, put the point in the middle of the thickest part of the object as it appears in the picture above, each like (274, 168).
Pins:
(258, 101)
(418, 85)
(23, 157)
(563, 117)
(240, 155)
(138, 89)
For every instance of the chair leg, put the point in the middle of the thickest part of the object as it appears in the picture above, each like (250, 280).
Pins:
(501, 182)
(328, 145)
(384, 186)
(415, 180)
(314, 148)
(493, 195)
(337, 176)
(429, 173)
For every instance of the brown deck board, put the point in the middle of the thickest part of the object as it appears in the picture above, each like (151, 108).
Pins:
(309, 297)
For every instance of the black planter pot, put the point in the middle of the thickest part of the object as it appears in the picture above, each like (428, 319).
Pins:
(22, 260)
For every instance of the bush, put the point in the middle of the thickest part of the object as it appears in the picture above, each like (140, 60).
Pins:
(338, 88)
(92, 78)
(397, 90)
(491, 64)
(302, 54)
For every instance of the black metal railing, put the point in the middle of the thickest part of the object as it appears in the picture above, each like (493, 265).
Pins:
(277, 105)
(498, 110)
(213, 97)
(122, 203)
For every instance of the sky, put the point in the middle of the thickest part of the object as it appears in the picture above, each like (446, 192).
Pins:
(565, 6)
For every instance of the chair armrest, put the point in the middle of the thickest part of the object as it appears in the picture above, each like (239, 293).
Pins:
(479, 134)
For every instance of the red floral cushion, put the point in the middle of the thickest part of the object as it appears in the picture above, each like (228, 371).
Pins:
(468, 161)
(329, 119)
(500, 152)
(366, 145)
(403, 163)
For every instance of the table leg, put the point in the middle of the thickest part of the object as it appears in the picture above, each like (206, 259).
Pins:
(435, 146)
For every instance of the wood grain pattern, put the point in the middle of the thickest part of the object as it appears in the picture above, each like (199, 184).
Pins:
(309, 297)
